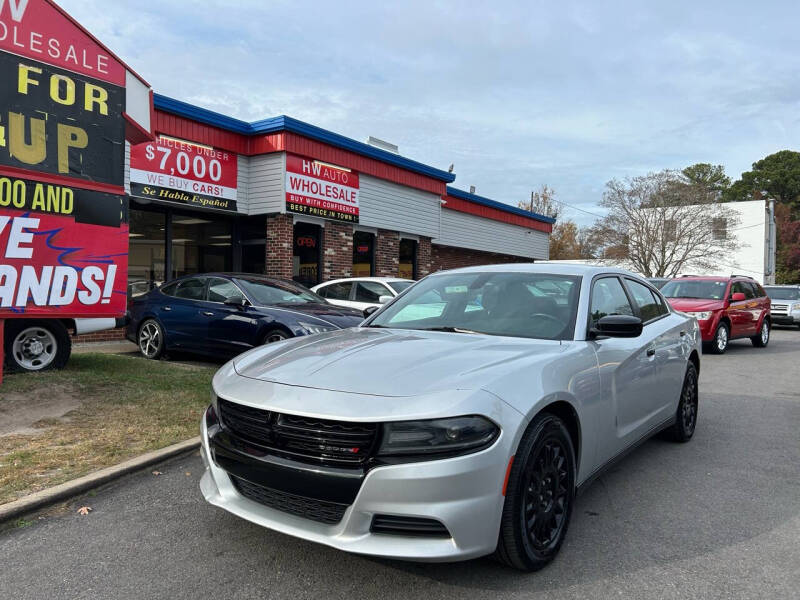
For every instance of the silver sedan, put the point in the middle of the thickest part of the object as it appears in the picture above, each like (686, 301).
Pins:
(458, 420)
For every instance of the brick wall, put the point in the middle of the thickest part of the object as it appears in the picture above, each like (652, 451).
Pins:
(447, 257)
(280, 237)
(387, 253)
(108, 335)
(337, 250)
(424, 257)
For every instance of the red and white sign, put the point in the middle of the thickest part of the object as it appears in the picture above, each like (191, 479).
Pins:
(40, 30)
(180, 171)
(322, 190)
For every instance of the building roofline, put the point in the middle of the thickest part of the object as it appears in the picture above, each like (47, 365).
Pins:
(455, 192)
(284, 123)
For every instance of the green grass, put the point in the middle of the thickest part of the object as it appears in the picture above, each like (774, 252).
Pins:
(129, 406)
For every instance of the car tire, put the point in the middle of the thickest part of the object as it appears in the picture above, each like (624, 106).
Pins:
(722, 337)
(686, 415)
(275, 335)
(150, 339)
(36, 345)
(540, 490)
(761, 339)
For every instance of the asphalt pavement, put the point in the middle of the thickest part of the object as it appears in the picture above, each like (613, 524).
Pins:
(718, 517)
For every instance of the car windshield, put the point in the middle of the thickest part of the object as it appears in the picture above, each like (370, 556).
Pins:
(694, 288)
(399, 286)
(266, 292)
(529, 305)
(778, 293)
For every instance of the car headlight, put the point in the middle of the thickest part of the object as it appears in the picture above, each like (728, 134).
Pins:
(795, 308)
(701, 316)
(457, 435)
(312, 328)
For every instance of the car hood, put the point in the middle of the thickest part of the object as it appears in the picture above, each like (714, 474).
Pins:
(695, 304)
(340, 316)
(392, 362)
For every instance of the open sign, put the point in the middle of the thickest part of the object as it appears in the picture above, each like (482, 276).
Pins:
(306, 241)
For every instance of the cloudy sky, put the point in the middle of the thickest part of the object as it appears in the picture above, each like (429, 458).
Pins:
(515, 94)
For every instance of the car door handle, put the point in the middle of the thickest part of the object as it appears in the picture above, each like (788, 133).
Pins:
(208, 313)
(167, 308)
(682, 333)
(651, 352)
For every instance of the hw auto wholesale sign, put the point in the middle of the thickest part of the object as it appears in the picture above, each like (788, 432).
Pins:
(63, 212)
(321, 190)
(184, 172)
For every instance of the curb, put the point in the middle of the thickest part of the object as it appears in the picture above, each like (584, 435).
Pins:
(28, 504)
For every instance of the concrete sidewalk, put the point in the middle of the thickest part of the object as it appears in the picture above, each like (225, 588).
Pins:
(118, 347)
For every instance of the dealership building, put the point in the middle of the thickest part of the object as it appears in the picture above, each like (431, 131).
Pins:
(291, 200)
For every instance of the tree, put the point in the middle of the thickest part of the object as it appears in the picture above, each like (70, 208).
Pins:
(568, 241)
(660, 223)
(711, 178)
(776, 176)
(787, 260)
(542, 202)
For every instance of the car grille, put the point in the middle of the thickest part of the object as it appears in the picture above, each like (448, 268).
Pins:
(781, 309)
(316, 441)
(321, 511)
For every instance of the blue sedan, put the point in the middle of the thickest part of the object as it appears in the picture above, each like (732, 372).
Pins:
(224, 314)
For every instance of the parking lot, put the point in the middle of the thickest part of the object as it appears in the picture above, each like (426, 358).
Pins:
(716, 518)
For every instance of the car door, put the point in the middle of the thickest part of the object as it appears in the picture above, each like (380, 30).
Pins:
(669, 357)
(627, 371)
(367, 293)
(758, 305)
(338, 293)
(232, 329)
(180, 316)
(739, 312)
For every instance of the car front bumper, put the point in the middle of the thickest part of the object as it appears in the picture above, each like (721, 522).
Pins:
(463, 493)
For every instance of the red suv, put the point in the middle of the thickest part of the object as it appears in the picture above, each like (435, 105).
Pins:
(726, 308)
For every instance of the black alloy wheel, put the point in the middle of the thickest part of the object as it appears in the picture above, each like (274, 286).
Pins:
(761, 339)
(686, 415)
(721, 338)
(539, 496)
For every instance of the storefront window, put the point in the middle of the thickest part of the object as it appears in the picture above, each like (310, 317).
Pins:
(200, 244)
(147, 251)
(305, 262)
(252, 233)
(363, 254)
(408, 259)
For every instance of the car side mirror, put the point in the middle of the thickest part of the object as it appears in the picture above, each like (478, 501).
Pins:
(737, 297)
(236, 300)
(384, 299)
(369, 310)
(623, 326)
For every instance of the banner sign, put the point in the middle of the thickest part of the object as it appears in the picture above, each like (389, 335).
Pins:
(63, 212)
(321, 190)
(184, 172)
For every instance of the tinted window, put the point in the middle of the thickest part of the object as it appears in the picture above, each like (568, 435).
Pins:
(757, 291)
(783, 293)
(169, 289)
(370, 291)
(336, 291)
(608, 298)
(695, 288)
(649, 307)
(518, 304)
(744, 288)
(220, 290)
(191, 289)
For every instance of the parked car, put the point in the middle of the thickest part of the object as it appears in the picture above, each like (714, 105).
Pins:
(224, 314)
(727, 308)
(658, 282)
(452, 435)
(785, 308)
(362, 292)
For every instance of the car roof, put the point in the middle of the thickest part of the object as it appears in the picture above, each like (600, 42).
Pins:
(378, 279)
(544, 267)
(255, 276)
